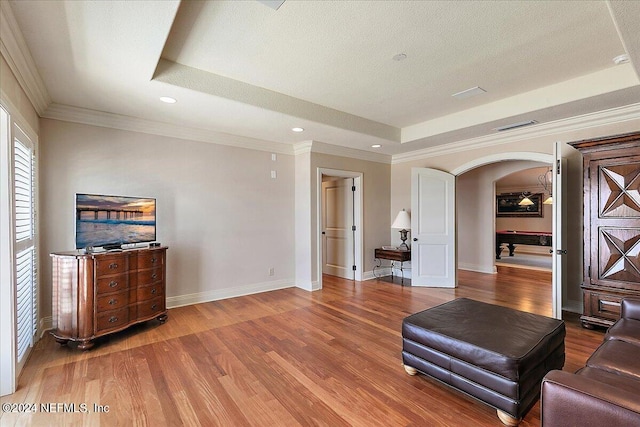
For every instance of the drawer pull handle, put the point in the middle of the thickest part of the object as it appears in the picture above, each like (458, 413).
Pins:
(113, 284)
(613, 303)
(154, 276)
(113, 266)
(113, 319)
(154, 306)
(153, 291)
(113, 301)
(153, 260)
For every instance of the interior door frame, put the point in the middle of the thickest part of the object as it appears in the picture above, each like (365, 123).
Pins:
(556, 288)
(358, 203)
(347, 213)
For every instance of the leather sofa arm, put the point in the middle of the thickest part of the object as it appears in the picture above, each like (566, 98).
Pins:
(630, 308)
(573, 400)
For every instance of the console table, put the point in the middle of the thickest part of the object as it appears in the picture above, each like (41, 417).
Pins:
(393, 255)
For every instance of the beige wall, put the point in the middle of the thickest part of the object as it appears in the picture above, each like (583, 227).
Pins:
(225, 220)
(376, 194)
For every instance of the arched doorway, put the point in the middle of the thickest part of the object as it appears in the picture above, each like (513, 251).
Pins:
(484, 235)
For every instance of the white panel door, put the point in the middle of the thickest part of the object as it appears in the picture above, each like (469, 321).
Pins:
(560, 226)
(433, 249)
(338, 234)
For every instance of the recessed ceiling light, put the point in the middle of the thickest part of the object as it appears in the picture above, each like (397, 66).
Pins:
(297, 129)
(621, 59)
(399, 57)
(168, 99)
(376, 146)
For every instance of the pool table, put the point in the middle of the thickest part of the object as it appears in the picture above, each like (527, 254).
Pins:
(513, 237)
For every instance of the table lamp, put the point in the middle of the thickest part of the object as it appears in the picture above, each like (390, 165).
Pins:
(403, 222)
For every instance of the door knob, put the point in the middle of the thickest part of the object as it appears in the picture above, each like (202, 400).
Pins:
(415, 239)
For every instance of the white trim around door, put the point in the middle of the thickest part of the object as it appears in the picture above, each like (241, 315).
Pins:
(358, 203)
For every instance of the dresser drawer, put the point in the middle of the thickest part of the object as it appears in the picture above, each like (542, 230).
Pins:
(151, 307)
(151, 260)
(112, 301)
(147, 277)
(108, 265)
(603, 305)
(148, 292)
(112, 319)
(112, 283)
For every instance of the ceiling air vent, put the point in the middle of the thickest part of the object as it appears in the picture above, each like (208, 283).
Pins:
(273, 4)
(468, 93)
(516, 125)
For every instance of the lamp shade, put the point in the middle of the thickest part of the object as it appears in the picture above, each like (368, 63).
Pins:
(403, 221)
(525, 202)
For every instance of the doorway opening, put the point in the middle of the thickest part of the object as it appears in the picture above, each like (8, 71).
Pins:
(339, 220)
(523, 220)
(478, 185)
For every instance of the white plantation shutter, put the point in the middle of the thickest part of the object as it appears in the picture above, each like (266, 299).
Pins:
(23, 188)
(25, 297)
(24, 243)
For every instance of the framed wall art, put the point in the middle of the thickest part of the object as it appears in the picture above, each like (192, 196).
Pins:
(509, 205)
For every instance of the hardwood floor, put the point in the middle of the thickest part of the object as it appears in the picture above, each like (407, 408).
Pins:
(287, 357)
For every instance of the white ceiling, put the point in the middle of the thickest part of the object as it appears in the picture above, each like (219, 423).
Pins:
(241, 69)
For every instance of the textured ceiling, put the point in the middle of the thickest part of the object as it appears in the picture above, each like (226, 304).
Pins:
(245, 69)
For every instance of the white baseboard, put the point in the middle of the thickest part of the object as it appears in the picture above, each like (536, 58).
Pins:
(45, 324)
(478, 268)
(380, 272)
(218, 294)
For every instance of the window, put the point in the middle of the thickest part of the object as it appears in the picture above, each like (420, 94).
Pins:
(24, 244)
(18, 253)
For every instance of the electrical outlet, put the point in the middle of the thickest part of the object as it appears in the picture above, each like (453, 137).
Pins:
(272, 271)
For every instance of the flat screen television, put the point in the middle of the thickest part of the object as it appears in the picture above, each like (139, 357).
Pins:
(113, 221)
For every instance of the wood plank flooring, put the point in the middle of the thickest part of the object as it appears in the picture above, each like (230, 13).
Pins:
(282, 358)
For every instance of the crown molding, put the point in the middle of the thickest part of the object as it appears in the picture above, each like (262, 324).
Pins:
(14, 49)
(585, 121)
(336, 150)
(116, 121)
(302, 147)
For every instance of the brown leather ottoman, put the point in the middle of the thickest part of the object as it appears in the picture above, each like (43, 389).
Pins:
(495, 354)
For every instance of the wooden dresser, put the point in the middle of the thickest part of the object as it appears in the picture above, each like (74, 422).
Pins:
(611, 225)
(97, 294)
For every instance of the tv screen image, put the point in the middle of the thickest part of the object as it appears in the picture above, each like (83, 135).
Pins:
(112, 221)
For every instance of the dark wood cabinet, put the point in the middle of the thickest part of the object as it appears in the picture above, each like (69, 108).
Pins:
(100, 293)
(611, 225)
